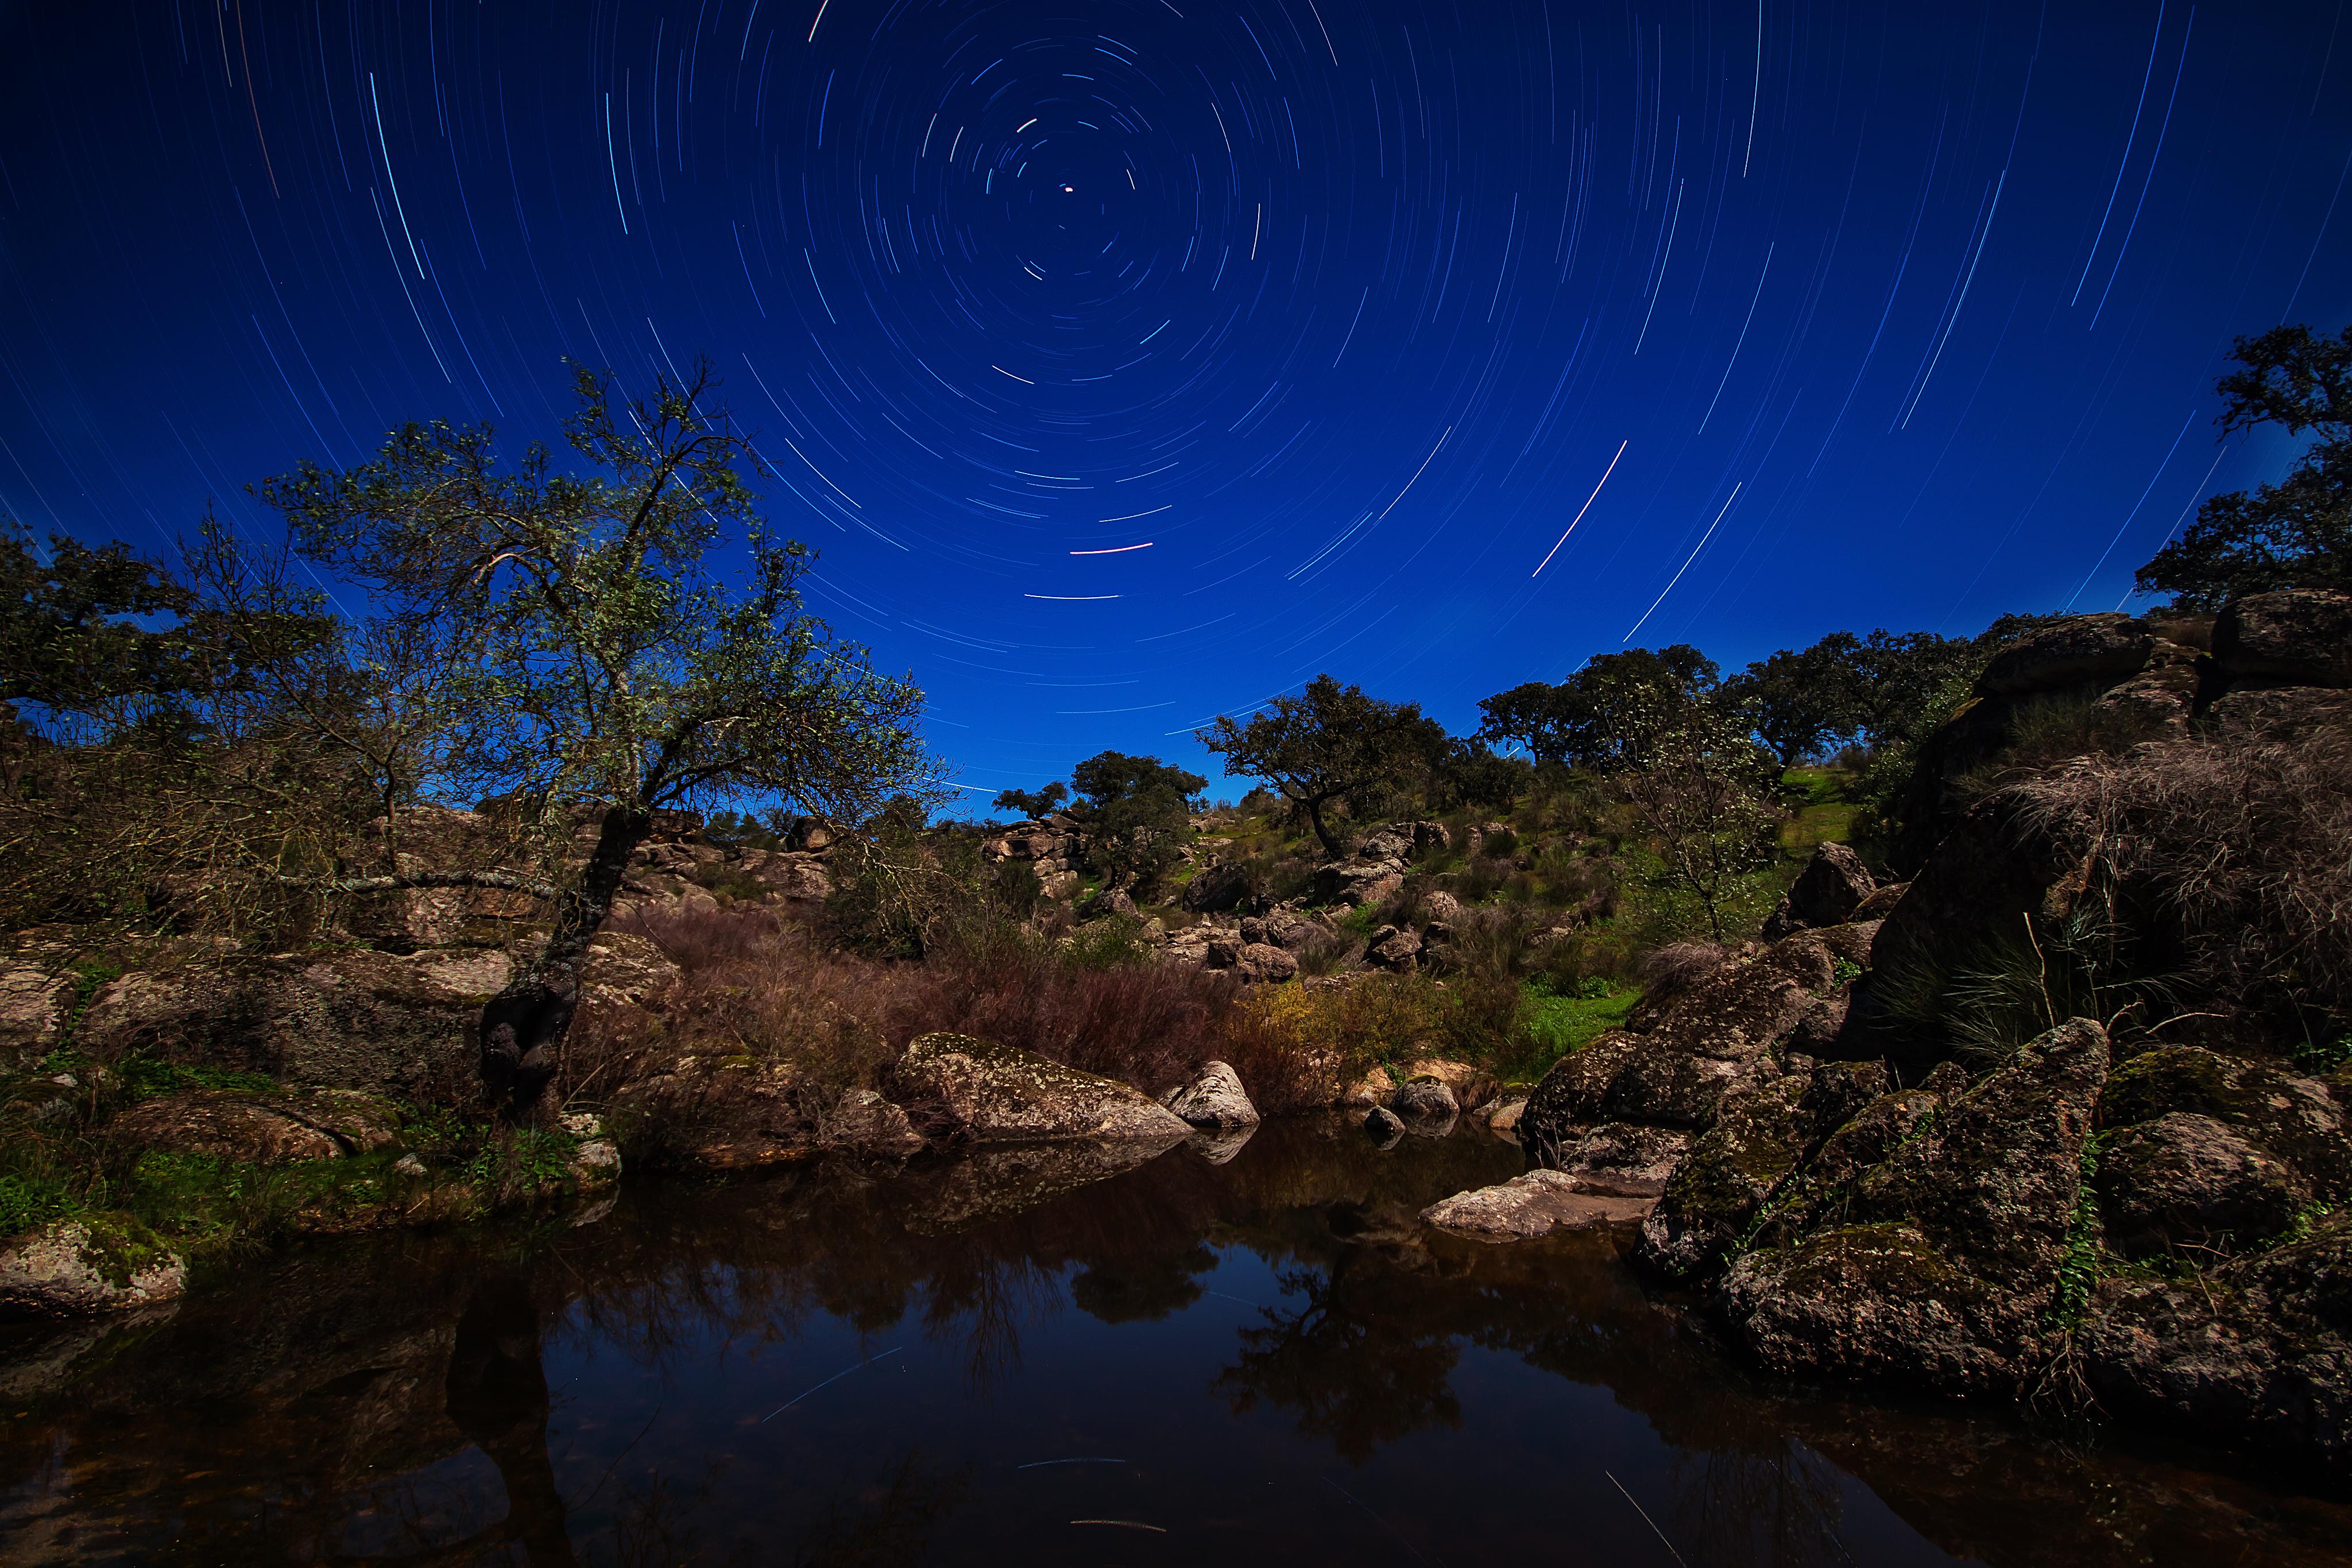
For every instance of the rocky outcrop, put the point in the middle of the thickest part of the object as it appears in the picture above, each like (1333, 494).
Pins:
(397, 1024)
(1723, 1038)
(1051, 847)
(1939, 1266)
(2136, 682)
(1531, 1205)
(2293, 637)
(1215, 1098)
(2258, 1351)
(972, 1091)
(259, 1129)
(1375, 871)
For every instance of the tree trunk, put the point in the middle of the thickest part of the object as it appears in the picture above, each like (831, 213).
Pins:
(1315, 819)
(524, 1027)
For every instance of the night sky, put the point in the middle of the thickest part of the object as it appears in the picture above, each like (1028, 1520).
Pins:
(1132, 361)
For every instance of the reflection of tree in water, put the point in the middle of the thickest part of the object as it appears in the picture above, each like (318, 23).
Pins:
(1148, 1291)
(890, 1523)
(1776, 1502)
(1357, 1375)
(336, 1399)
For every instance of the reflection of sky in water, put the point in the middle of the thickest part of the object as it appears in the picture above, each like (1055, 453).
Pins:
(1264, 1361)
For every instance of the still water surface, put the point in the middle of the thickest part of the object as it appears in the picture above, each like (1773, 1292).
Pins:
(1264, 1360)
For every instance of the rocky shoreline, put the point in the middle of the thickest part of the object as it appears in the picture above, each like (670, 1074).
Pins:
(2088, 1216)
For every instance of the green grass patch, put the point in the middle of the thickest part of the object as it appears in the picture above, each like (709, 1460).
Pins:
(145, 1076)
(1825, 812)
(1555, 1026)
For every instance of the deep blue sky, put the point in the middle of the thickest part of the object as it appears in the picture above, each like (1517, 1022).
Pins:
(1888, 315)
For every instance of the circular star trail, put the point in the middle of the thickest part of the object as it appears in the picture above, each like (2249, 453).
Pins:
(1132, 361)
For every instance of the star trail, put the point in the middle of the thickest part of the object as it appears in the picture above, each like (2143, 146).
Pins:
(1172, 353)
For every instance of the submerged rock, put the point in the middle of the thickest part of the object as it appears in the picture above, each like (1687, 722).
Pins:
(1533, 1205)
(985, 1093)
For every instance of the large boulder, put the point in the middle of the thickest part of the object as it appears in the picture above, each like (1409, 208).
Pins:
(1830, 888)
(2078, 651)
(259, 1128)
(2257, 1352)
(1715, 1042)
(978, 1092)
(75, 1267)
(1216, 888)
(1215, 1098)
(704, 1113)
(1716, 1191)
(403, 1025)
(1941, 1265)
(2185, 1181)
(2135, 683)
(2293, 1120)
(1749, 1165)
(1425, 1100)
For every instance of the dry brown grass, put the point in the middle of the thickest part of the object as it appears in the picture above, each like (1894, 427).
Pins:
(760, 989)
(2247, 845)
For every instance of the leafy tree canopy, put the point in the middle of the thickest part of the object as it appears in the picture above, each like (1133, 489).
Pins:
(71, 640)
(1328, 742)
(2294, 534)
(584, 647)
(1041, 802)
(1602, 715)
(1137, 810)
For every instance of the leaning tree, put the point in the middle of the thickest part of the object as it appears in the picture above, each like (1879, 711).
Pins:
(608, 644)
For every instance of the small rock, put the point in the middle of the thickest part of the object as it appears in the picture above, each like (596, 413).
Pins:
(1396, 950)
(863, 1123)
(1503, 1121)
(1264, 963)
(1383, 1126)
(1425, 1100)
(408, 1165)
(1533, 1205)
(1215, 1098)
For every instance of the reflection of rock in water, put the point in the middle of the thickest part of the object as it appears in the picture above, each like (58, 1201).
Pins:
(1218, 1147)
(994, 1183)
(386, 1378)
